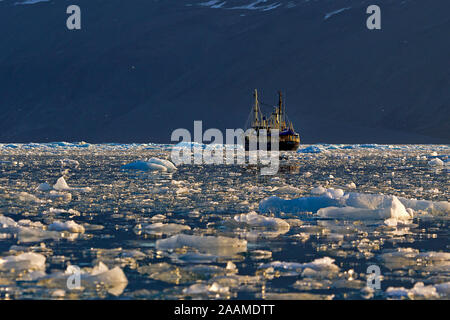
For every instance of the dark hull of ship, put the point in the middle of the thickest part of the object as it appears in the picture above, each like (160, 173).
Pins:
(283, 145)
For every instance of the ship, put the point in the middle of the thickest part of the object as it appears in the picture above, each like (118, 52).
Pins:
(260, 136)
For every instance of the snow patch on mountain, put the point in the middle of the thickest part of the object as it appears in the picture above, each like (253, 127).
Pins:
(260, 5)
(330, 14)
(30, 2)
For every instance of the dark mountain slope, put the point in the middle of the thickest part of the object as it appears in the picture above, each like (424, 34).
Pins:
(139, 69)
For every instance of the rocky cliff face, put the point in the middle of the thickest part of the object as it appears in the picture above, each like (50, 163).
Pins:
(139, 69)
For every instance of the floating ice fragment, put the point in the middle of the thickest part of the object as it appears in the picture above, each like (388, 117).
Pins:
(113, 280)
(390, 208)
(153, 164)
(26, 230)
(200, 288)
(207, 244)
(24, 261)
(287, 190)
(160, 229)
(61, 185)
(338, 204)
(69, 226)
(69, 163)
(26, 197)
(64, 196)
(404, 258)
(436, 163)
(192, 257)
(44, 187)
(182, 190)
(255, 220)
(351, 185)
(312, 149)
(418, 291)
(317, 268)
(60, 211)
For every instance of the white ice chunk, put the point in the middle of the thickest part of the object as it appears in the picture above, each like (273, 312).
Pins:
(61, 185)
(318, 267)
(418, 291)
(436, 163)
(69, 163)
(165, 228)
(336, 203)
(389, 208)
(255, 220)
(24, 261)
(208, 244)
(26, 197)
(153, 164)
(69, 226)
(44, 187)
(114, 280)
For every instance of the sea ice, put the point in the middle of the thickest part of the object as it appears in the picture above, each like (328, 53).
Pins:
(200, 288)
(23, 262)
(312, 149)
(114, 280)
(335, 203)
(69, 163)
(207, 244)
(153, 164)
(69, 226)
(255, 220)
(63, 196)
(60, 211)
(26, 230)
(436, 162)
(418, 291)
(389, 208)
(61, 185)
(26, 197)
(44, 187)
(159, 229)
(317, 268)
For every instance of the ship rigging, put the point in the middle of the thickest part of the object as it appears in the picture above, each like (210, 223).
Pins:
(289, 140)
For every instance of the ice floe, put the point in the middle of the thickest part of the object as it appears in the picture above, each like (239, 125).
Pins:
(61, 185)
(113, 280)
(389, 208)
(26, 197)
(44, 187)
(153, 164)
(69, 163)
(57, 211)
(27, 230)
(69, 226)
(159, 229)
(207, 244)
(23, 262)
(259, 226)
(255, 220)
(420, 291)
(402, 258)
(317, 268)
(337, 204)
(436, 163)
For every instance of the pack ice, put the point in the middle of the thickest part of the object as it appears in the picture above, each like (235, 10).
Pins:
(153, 164)
(337, 204)
(219, 245)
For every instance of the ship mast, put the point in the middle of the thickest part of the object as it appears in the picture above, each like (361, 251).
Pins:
(256, 110)
(280, 110)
